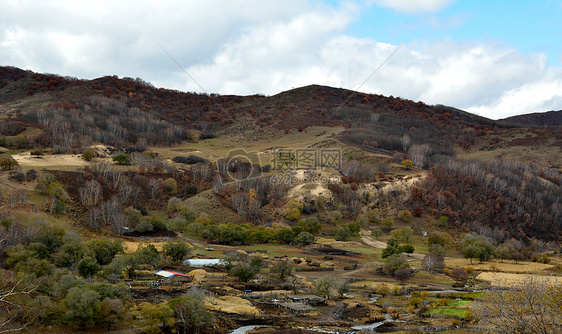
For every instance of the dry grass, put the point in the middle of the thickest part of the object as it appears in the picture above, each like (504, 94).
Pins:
(232, 305)
(506, 280)
(219, 147)
(374, 285)
(506, 267)
(131, 246)
(60, 161)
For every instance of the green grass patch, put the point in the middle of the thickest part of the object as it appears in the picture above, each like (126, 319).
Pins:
(458, 302)
(455, 312)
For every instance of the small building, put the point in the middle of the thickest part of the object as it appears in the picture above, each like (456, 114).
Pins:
(172, 277)
(200, 263)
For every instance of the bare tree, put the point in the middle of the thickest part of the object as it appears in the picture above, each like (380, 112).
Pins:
(90, 194)
(349, 167)
(109, 210)
(530, 307)
(118, 223)
(93, 218)
(12, 297)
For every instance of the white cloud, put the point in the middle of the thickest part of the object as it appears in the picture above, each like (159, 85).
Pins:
(267, 47)
(414, 6)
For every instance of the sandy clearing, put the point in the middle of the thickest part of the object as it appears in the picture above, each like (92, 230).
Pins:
(69, 160)
(372, 242)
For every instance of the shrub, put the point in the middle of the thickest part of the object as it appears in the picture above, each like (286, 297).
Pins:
(342, 233)
(122, 159)
(88, 155)
(407, 164)
(206, 136)
(304, 238)
(8, 162)
(415, 301)
(176, 250)
(383, 289)
(189, 160)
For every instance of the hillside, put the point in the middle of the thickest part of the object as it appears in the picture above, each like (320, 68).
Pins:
(311, 198)
(539, 119)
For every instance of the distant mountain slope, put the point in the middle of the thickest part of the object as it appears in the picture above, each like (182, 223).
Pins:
(120, 111)
(549, 118)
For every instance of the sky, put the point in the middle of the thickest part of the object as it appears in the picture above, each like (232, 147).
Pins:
(494, 58)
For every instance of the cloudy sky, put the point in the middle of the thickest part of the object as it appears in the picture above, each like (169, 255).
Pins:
(494, 58)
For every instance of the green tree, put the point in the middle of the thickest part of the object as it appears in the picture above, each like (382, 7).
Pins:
(191, 312)
(44, 181)
(113, 311)
(387, 223)
(479, 247)
(310, 225)
(335, 217)
(407, 164)
(244, 271)
(282, 270)
(439, 238)
(437, 250)
(404, 216)
(88, 155)
(354, 228)
(157, 318)
(176, 251)
(325, 285)
(171, 186)
(82, 307)
(105, 250)
(403, 234)
(8, 162)
(407, 248)
(392, 247)
(285, 236)
(304, 239)
(122, 159)
(37, 152)
(147, 254)
(395, 262)
(88, 267)
(342, 233)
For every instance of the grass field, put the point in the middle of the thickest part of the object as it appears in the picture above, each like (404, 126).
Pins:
(506, 280)
(507, 267)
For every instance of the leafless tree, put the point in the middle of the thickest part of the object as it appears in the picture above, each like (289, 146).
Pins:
(240, 202)
(109, 210)
(93, 218)
(432, 262)
(90, 194)
(154, 188)
(532, 306)
(13, 293)
(349, 167)
(218, 184)
(118, 222)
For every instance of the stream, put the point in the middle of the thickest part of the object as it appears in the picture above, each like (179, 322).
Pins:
(373, 326)
(243, 330)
